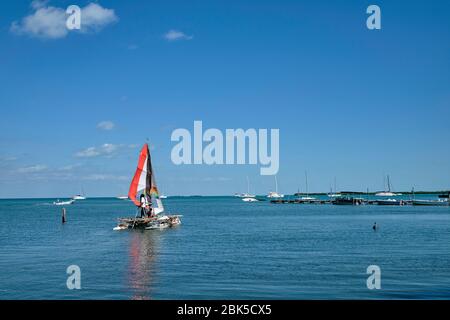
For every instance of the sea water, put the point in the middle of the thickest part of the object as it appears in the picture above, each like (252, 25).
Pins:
(224, 249)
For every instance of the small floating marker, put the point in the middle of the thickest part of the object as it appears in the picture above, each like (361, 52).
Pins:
(64, 215)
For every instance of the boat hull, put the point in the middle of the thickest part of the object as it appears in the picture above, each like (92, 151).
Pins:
(430, 203)
(390, 202)
(148, 223)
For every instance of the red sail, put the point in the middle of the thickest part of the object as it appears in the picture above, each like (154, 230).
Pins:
(142, 180)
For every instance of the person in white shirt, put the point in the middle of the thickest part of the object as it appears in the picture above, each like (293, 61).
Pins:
(144, 205)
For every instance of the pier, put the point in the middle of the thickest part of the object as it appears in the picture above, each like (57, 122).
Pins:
(361, 201)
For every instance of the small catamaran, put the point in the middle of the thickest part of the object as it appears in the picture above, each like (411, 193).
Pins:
(144, 183)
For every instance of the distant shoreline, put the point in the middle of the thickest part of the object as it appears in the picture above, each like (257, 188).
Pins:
(446, 192)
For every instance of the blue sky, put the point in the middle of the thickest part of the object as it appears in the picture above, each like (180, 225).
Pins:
(350, 103)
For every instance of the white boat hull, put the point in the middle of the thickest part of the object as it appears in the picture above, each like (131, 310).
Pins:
(63, 203)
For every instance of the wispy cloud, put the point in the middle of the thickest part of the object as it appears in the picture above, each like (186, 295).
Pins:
(7, 158)
(106, 125)
(175, 35)
(32, 169)
(103, 177)
(37, 4)
(69, 167)
(50, 22)
(106, 150)
(133, 47)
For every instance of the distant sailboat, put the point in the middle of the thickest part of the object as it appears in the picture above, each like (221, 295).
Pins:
(335, 194)
(275, 194)
(143, 183)
(307, 197)
(388, 192)
(247, 194)
(79, 196)
(248, 197)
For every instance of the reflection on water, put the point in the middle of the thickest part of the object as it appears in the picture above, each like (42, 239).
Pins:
(143, 255)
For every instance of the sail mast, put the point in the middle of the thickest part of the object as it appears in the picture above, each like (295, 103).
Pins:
(306, 178)
(248, 186)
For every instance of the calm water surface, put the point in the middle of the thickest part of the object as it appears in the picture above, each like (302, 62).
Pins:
(224, 249)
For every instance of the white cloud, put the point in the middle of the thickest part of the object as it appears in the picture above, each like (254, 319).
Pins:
(7, 158)
(106, 149)
(94, 17)
(174, 35)
(32, 169)
(36, 4)
(50, 22)
(102, 177)
(45, 22)
(106, 125)
(69, 167)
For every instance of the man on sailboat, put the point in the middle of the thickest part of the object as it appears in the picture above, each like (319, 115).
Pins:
(144, 206)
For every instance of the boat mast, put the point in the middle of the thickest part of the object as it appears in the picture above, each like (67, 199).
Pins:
(389, 183)
(335, 189)
(248, 186)
(306, 178)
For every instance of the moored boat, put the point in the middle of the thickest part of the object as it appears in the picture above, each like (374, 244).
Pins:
(388, 192)
(390, 202)
(430, 203)
(348, 201)
(275, 194)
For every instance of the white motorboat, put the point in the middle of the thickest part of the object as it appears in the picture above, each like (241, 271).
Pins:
(122, 197)
(250, 199)
(439, 202)
(63, 203)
